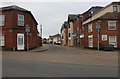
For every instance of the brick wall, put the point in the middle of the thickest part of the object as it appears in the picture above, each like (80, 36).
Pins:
(11, 24)
(104, 31)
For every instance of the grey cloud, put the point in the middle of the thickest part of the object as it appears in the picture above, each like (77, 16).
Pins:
(52, 14)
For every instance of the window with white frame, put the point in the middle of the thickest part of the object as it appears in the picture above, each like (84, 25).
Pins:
(90, 40)
(111, 25)
(104, 37)
(90, 28)
(2, 40)
(113, 40)
(115, 8)
(20, 20)
(2, 20)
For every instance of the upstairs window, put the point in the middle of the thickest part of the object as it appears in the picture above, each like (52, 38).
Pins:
(115, 9)
(111, 25)
(2, 20)
(90, 28)
(20, 20)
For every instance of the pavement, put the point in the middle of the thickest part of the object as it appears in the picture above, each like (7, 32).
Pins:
(102, 53)
(43, 48)
(93, 52)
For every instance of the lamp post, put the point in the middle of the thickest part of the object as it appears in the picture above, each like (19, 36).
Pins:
(98, 30)
(27, 30)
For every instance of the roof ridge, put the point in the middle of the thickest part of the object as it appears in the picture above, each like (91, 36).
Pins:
(13, 7)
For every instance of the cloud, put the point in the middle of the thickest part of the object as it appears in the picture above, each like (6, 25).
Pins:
(51, 15)
(57, 0)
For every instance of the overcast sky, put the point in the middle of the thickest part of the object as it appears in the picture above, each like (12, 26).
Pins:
(51, 14)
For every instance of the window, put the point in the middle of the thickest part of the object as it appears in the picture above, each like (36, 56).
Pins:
(104, 37)
(113, 40)
(111, 25)
(2, 40)
(20, 20)
(90, 40)
(90, 28)
(115, 9)
(2, 20)
(91, 13)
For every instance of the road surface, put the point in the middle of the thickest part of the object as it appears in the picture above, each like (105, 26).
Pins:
(57, 61)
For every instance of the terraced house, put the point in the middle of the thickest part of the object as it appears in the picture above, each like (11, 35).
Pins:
(95, 28)
(14, 24)
(103, 27)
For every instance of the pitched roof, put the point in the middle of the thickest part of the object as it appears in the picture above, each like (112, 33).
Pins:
(64, 25)
(14, 7)
(113, 3)
(111, 15)
(53, 36)
(56, 35)
(72, 17)
(93, 9)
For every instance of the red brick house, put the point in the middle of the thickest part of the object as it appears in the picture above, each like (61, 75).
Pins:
(12, 24)
(108, 21)
(78, 29)
(80, 33)
(70, 27)
(85, 16)
(95, 28)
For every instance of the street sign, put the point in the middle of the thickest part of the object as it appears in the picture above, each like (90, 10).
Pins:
(27, 28)
(27, 33)
(98, 30)
(74, 34)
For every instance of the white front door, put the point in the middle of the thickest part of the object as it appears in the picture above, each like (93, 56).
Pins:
(20, 41)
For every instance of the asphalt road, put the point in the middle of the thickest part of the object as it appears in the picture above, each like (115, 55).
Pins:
(14, 67)
(22, 68)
